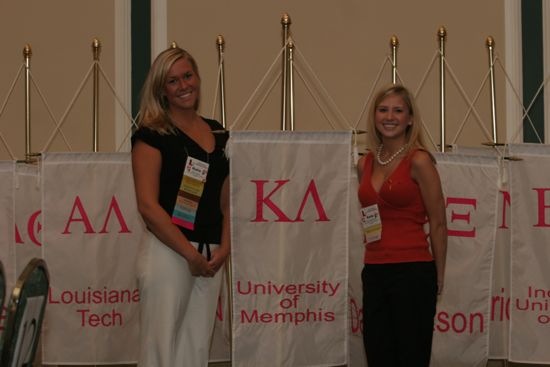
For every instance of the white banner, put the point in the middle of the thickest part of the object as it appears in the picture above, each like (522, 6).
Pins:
(500, 289)
(220, 347)
(28, 226)
(91, 235)
(290, 233)
(461, 330)
(7, 224)
(530, 254)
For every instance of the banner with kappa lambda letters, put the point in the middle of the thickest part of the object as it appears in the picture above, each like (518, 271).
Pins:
(530, 254)
(91, 235)
(290, 232)
(461, 330)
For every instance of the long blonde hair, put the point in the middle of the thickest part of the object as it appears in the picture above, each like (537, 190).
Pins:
(153, 112)
(413, 135)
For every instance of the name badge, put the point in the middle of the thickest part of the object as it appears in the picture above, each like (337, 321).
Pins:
(371, 222)
(190, 193)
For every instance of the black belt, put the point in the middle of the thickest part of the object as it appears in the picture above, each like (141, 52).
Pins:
(201, 247)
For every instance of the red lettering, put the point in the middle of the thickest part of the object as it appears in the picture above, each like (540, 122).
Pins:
(506, 202)
(266, 318)
(442, 324)
(34, 227)
(31, 228)
(459, 322)
(50, 297)
(312, 190)
(461, 217)
(245, 318)
(109, 319)
(356, 314)
(541, 192)
(261, 200)
(83, 217)
(500, 307)
(18, 238)
(219, 310)
(113, 206)
(462, 322)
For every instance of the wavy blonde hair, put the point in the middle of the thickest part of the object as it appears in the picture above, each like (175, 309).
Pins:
(413, 135)
(153, 112)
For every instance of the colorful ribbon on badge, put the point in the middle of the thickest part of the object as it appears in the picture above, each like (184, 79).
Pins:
(190, 192)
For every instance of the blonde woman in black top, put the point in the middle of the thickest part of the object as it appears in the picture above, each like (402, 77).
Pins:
(180, 174)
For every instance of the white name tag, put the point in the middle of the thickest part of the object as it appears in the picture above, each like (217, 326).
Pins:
(372, 224)
(196, 169)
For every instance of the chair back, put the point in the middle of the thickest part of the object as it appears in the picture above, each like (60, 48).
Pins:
(2, 286)
(24, 315)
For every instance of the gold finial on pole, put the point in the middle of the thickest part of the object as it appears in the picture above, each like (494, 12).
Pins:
(27, 53)
(490, 43)
(394, 44)
(96, 50)
(442, 34)
(285, 22)
(220, 43)
(96, 47)
(173, 44)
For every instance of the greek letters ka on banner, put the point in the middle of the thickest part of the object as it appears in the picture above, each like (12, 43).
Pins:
(290, 247)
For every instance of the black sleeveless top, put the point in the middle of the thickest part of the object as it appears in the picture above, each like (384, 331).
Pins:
(174, 149)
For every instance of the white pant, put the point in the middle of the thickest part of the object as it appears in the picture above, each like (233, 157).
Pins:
(177, 310)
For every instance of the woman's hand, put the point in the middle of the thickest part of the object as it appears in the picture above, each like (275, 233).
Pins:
(439, 287)
(219, 255)
(199, 266)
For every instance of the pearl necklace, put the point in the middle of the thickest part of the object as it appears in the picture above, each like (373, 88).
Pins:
(391, 158)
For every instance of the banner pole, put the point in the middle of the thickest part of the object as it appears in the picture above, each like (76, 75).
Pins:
(220, 42)
(96, 48)
(394, 43)
(27, 53)
(285, 21)
(442, 33)
(291, 82)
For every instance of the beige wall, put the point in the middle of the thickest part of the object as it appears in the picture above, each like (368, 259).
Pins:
(60, 33)
(346, 42)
